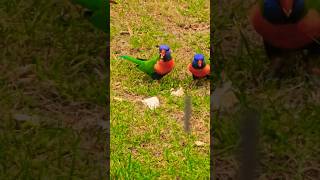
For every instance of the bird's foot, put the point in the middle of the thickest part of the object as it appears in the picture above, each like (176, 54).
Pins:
(273, 78)
(274, 74)
(156, 76)
(194, 77)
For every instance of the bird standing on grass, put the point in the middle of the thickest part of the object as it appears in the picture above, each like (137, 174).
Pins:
(156, 67)
(199, 68)
(288, 25)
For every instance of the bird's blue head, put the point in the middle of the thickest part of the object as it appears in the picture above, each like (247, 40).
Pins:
(165, 53)
(198, 61)
(283, 11)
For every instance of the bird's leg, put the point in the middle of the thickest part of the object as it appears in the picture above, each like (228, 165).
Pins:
(194, 77)
(275, 55)
(156, 76)
(276, 68)
(305, 60)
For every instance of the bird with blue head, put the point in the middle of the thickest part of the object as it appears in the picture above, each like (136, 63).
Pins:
(288, 26)
(283, 11)
(165, 53)
(199, 68)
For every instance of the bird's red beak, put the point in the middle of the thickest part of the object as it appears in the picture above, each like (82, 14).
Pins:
(162, 54)
(199, 63)
(287, 6)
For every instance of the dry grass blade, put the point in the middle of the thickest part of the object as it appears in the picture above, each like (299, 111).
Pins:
(187, 113)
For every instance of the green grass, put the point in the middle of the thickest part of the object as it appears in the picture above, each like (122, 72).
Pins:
(149, 144)
(289, 125)
(52, 69)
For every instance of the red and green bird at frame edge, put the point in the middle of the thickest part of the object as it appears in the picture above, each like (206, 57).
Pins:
(288, 25)
(99, 12)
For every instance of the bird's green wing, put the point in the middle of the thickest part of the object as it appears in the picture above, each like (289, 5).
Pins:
(100, 12)
(99, 19)
(148, 66)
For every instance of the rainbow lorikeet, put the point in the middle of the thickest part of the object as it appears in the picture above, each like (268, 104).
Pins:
(156, 67)
(199, 68)
(288, 25)
(97, 13)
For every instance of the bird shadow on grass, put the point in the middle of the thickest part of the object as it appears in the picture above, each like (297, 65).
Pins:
(147, 79)
(199, 83)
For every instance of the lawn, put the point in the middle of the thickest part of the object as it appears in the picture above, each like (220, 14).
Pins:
(53, 92)
(289, 130)
(148, 144)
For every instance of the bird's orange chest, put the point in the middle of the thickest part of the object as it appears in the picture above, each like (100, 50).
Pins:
(162, 67)
(288, 36)
(199, 72)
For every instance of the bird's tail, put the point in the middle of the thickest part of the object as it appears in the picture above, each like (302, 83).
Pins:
(132, 59)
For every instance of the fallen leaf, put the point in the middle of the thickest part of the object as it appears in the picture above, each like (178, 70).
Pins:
(224, 97)
(199, 143)
(118, 99)
(124, 33)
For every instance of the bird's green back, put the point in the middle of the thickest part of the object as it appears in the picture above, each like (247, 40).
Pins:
(100, 10)
(99, 19)
(313, 4)
(148, 66)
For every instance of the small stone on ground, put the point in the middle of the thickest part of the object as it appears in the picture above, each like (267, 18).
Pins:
(152, 102)
(179, 92)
